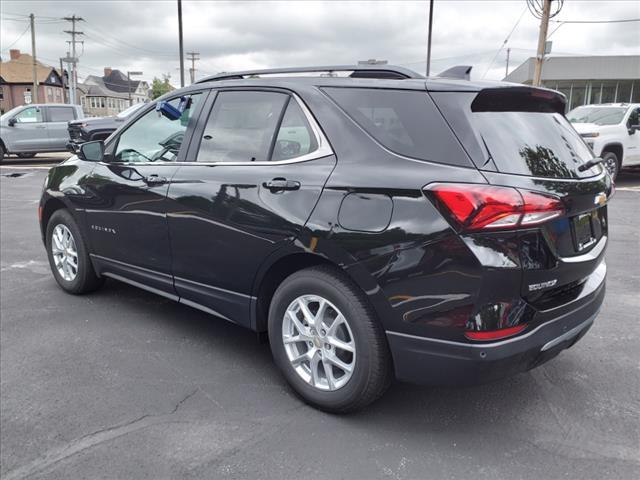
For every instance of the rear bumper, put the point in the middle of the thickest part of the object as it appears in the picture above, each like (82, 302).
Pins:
(442, 362)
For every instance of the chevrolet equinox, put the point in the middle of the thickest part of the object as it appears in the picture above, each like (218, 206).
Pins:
(373, 222)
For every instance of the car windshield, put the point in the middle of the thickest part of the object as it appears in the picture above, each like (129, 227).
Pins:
(128, 111)
(597, 115)
(10, 113)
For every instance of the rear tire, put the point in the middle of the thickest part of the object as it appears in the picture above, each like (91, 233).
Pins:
(358, 343)
(611, 163)
(68, 255)
(3, 152)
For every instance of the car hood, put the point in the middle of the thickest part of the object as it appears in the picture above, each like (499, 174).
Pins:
(586, 127)
(96, 121)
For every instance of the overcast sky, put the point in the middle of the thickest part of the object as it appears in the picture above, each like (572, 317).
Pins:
(238, 35)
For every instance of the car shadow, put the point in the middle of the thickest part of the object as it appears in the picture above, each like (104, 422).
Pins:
(469, 409)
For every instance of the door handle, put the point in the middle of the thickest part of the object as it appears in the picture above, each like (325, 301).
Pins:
(155, 180)
(40, 126)
(281, 184)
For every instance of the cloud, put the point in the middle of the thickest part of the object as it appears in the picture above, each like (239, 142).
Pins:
(239, 35)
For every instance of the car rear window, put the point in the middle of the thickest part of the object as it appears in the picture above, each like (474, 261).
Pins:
(517, 131)
(406, 122)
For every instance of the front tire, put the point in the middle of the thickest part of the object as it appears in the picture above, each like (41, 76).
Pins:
(327, 342)
(611, 163)
(68, 255)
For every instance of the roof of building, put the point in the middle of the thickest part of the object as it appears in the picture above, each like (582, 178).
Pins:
(592, 67)
(97, 88)
(20, 70)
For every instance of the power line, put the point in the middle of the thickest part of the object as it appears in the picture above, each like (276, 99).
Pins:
(624, 20)
(17, 39)
(505, 42)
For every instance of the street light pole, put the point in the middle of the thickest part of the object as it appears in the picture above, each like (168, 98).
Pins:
(429, 37)
(180, 41)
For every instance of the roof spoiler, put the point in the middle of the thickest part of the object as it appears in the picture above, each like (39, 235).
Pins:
(462, 72)
(357, 71)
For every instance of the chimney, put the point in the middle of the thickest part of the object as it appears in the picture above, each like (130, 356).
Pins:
(14, 53)
(107, 71)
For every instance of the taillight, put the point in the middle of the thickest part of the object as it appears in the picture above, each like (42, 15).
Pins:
(486, 207)
(495, 334)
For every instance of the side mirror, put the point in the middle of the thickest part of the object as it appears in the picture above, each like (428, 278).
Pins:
(12, 122)
(92, 151)
(633, 129)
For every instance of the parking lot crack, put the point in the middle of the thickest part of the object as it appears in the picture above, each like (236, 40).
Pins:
(90, 440)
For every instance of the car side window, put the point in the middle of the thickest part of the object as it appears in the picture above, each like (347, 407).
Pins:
(61, 114)
(295, 136)
(154, 137)
(241, 126)
(29, 115)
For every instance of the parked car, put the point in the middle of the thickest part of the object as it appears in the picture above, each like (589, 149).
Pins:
(31, 129)
(379, 224)
(611, 132)
(99, 128)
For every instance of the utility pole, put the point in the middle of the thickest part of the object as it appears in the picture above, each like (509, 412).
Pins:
(429, 37)
(34, 93)
(542, 39)
(64, 95)
(192, 71)
(73, 98)
(506, 72)
(180, 41)
(129, 84)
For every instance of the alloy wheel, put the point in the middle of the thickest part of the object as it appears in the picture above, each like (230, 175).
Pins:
(65, 253)
(319, 342)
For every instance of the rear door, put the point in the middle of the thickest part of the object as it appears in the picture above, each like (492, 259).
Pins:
(57, 119)
(254, 172)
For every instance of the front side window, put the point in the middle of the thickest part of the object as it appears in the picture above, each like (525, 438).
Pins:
(60, 114)
(634, 118)
(241, 126)
(154, 137)
(29, 115)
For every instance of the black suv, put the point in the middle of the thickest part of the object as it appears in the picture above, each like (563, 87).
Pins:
(373, 222)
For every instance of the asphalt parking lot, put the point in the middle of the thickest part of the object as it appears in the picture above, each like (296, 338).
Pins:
(124, 384)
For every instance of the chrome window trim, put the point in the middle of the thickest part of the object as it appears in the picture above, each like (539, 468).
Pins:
(323, 150)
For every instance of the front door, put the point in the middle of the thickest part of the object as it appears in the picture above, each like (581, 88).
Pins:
(29, 133)
(254, 173)
(57, 119)
(632, 147)
(127, 221)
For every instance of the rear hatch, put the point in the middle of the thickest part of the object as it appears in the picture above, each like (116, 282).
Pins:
(519, 137)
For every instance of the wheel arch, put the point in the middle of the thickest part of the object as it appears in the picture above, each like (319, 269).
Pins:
(616, 148)
(49, 207)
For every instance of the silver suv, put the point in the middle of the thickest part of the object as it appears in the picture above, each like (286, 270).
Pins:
(32, 129)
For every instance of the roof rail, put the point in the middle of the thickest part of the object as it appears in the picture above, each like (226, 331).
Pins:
(357, 71)
(463, 72)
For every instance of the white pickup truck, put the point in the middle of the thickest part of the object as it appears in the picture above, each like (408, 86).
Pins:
(612, 132)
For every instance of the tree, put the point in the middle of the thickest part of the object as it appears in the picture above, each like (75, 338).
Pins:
(160, 87)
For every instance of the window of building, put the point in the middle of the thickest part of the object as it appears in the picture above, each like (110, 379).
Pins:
(624, 91)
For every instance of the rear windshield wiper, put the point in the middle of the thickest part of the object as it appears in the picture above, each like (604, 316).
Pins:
(591, 163)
